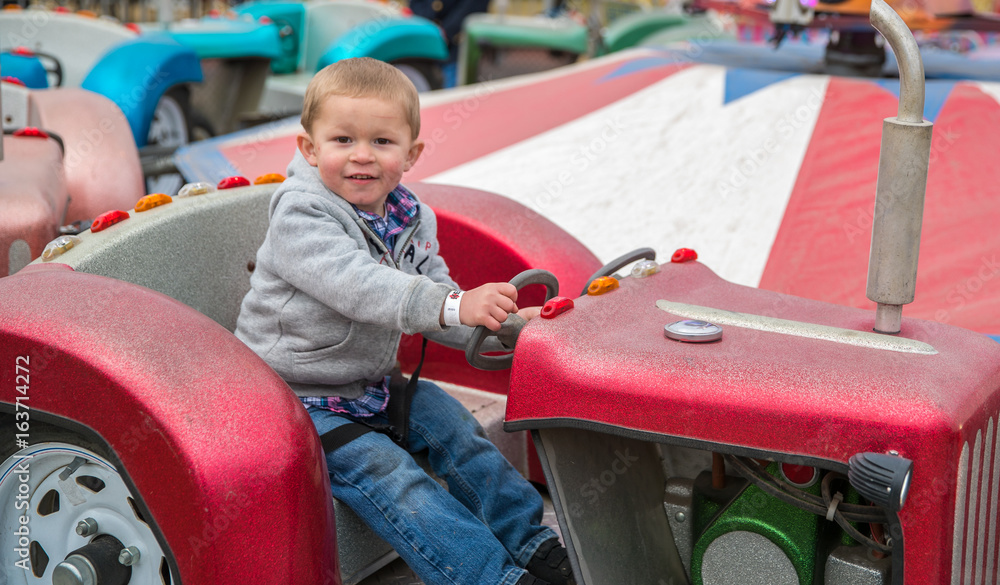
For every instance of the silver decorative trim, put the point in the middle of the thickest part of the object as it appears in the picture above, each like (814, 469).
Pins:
(975, 485)
(959, 538)
(977, 512)
(866, 339)
(994, 506)
(984, 503)
(991, 572)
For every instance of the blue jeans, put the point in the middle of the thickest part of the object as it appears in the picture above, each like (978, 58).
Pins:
(480, 531)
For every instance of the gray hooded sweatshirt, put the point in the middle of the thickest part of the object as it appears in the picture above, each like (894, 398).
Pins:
(328, 302)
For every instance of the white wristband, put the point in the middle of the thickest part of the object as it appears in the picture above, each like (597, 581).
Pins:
(451, 304)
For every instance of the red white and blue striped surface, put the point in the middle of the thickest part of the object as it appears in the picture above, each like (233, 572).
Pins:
(769, 175)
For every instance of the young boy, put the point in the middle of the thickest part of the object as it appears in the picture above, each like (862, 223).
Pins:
(338, 280)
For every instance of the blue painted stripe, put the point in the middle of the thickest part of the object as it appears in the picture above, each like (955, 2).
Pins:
(936, 94)
(994, 338)
(204, 161)
(637, 65)
(742, 82)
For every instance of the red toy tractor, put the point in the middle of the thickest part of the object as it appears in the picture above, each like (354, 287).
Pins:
(690, 431)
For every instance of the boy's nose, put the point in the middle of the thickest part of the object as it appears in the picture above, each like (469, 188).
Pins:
(361, 153)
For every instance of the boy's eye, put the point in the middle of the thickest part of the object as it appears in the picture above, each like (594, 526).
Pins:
(381, 141)
(342, 139)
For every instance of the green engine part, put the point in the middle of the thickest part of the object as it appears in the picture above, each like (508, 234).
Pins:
(504, 31)
(800, 534)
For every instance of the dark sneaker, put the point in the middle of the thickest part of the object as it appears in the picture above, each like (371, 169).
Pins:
(551, 563)
(528, 579)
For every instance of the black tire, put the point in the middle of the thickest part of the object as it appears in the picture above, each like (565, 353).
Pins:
(425, 75)
(170, 129)
(40, 432)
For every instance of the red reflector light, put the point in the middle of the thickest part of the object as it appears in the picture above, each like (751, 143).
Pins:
(799, 475)
(406, 11)
(10, 78)
(214, 13)
(106, 220)
(23, 51)
(684, 255)
(232, 183)
(31, 132)
(62, 10)
(265, 20)
(556, 306)
(133, 27)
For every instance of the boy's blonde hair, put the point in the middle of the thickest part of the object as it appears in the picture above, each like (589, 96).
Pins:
(362, 77)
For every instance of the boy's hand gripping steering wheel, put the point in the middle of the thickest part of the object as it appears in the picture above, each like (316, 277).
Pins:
(510, 328)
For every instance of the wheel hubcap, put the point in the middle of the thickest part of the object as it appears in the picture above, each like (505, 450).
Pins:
(54, 487)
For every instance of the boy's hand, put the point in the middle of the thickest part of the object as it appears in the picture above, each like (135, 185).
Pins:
(529, 313)
(488, 305)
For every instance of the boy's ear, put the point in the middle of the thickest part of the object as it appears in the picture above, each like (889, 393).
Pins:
(411, 157)
(307, 147)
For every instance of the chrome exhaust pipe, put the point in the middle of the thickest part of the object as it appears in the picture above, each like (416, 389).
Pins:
(902, 180)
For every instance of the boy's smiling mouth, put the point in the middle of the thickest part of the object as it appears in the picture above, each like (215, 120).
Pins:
(360, 177)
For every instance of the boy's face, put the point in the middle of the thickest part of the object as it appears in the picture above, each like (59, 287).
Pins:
(362, 147)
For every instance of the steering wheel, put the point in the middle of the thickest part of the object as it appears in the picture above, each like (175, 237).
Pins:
(52, 67)
(510, 328)
(619, 263)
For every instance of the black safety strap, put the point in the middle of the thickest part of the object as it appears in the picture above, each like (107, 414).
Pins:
(342, 435)
(400, 397)
(397, 411)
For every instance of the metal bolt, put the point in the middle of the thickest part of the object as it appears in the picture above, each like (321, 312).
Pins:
(680, 516)
(86, 527)
(129, 556)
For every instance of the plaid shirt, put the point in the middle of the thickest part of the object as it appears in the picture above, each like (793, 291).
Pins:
(400, 209)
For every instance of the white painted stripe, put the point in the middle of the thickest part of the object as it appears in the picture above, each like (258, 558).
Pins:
(958, 540)
(990, 88)
(669, 166)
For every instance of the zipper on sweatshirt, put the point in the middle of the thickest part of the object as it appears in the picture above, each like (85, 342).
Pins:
(408, 233)
(373, 237)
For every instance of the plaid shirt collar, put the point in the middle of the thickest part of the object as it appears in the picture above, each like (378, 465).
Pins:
(400, 209)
